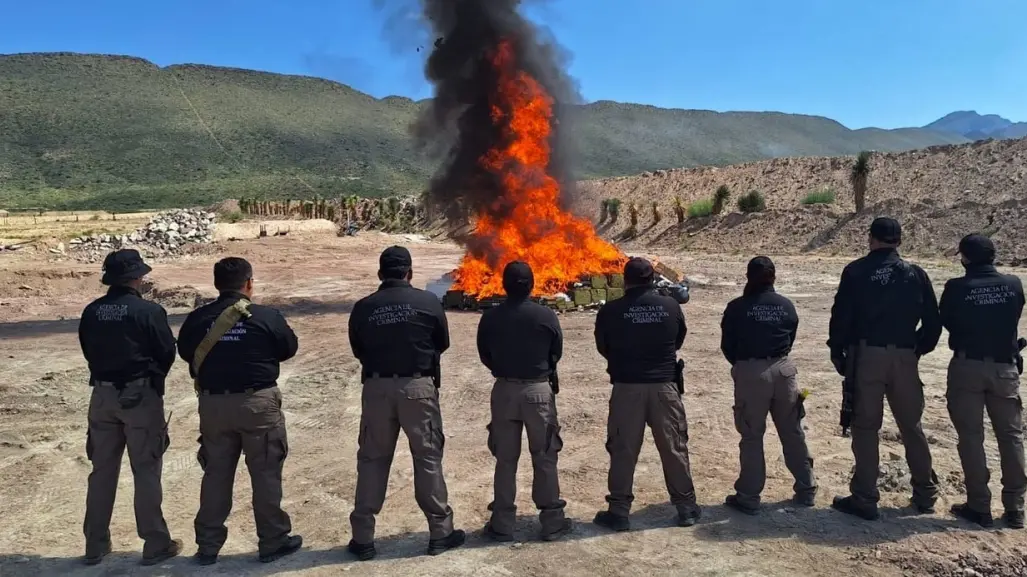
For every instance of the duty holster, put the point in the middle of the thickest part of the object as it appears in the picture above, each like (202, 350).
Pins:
(679, 376)
(1021, 344)
(436, 371)
(554, 377)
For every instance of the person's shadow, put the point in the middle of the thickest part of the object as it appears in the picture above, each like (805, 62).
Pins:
(819, 526)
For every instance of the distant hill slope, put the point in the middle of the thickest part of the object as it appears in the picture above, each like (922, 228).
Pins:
(974, 126)
(91, 131)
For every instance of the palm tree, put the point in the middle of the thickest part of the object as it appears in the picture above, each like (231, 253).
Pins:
(858, 178)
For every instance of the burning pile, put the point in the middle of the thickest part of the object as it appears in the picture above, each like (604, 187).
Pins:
(499, 90)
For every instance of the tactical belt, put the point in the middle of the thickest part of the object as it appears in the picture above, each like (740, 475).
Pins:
(246, 391)
(534, 381)
(884, 345)
(395, 376)
(778, 358)
(987, 359)
(140, 382)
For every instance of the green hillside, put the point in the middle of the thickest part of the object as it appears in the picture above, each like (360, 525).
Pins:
(87, 131)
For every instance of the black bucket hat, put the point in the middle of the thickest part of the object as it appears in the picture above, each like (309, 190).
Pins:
(122, 266)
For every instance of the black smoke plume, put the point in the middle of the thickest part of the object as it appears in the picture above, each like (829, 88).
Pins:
(457, 127)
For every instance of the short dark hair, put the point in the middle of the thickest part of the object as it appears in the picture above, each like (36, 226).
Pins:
(231, 274)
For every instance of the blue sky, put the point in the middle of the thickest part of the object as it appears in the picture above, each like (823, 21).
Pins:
(884, 63)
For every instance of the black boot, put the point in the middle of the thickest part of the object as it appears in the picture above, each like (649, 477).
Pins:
(963, 511)
(1014, 519)
(496, 536)
(565, 527)
(849, 506)
(205, 559)
(451, 541)
(172, 550)
(362, 551)
(291, 545)
(612, 521)
(733, 502)
(96, 558)
(688, 516)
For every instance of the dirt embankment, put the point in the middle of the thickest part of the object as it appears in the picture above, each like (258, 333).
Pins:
(939, 194)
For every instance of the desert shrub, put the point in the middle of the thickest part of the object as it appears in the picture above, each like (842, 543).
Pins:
(825, 195)
(613, 206)
(700, 208)
(234, 216)
(720, 198)
(752, 202)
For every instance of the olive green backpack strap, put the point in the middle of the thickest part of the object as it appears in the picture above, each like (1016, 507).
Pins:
(225, 321)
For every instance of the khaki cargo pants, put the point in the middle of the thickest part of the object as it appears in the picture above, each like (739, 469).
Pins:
(143, 431)
(632, 407)
(973, 387)
(388, 405)
(762, 387)
(523, 405)
(892, 373)
(242, 423)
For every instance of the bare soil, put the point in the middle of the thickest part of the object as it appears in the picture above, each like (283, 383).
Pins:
(939, 194)
(315, 279)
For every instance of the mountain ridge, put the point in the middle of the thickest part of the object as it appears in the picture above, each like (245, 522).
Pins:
(976, 126)
(117, 131)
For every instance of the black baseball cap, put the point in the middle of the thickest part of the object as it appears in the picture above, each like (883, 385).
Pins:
(977, 248)
(518, 280)
(886, 229)
(760, 268)
(638, 271)
(395, 258)
(122, 266)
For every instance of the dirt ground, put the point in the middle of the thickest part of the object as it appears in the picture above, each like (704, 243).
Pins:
(315, 280)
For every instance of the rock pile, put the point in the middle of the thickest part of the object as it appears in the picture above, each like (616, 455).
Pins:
(165, 234)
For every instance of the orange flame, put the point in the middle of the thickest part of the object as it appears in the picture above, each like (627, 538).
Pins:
(560, 247)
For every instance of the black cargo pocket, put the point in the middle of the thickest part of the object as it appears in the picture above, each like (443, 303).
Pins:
(201, 454)
(554, 443)
(277, 447)
(740, 423)
(490, 442)
(611, 442)
(677, 420)
(89, 445)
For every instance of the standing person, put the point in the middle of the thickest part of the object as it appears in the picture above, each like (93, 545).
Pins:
(130, 348)
(880, 301)
(757, 333)
(234, 349)
(981, 311)
(398, 334)
(639, 335)
(521, 342)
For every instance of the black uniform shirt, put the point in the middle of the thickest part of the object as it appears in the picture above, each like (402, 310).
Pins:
(758, 326)
(639, 335)
(881, 298)
(981, 312)
(517, 339)
(398, 330)
(125, 337)
(247, 356)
